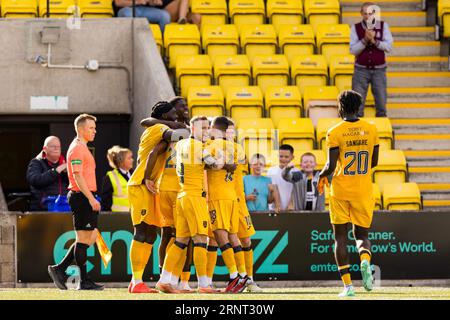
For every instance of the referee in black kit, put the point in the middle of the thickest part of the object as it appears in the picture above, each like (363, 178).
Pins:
(85, 208)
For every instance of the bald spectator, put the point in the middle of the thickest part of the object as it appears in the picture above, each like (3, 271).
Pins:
(47, 174)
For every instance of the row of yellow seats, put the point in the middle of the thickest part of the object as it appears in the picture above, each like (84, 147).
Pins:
(331, 39)
(265, 71)
(58, 8)
(277, 102)
(444, 16)
(395, 196)
(275, 11)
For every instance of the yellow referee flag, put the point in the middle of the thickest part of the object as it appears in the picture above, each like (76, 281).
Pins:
(105, 253)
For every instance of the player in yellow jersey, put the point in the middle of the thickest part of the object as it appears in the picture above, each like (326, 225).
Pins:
(352, 153)
(246, 228)
(144, 204)
(223, 206)
(192, 219)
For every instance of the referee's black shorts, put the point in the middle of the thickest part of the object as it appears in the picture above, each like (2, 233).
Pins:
(84, 218)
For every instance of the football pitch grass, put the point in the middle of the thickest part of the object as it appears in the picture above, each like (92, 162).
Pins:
(303, 293)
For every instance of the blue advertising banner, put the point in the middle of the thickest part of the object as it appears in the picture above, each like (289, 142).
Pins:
(293, 246)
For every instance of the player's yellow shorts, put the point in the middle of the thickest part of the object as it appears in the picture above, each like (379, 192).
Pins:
(359, 213)
(168, 204)
(224, 215)
(192, 217)
(144, 206)
(246, 228)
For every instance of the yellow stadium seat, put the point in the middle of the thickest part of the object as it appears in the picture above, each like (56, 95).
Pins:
(257, 40)
(232, 71)
(256, 135)
(212, 11)
(377, 197)
(272, 159)
(206, 101)
(341, 71)
(246, 12)
(321, 157)
(220, 40)
(96, 8)
(181, 39)
(284, 12)
(322, 127)
(157, 35)
(333, 39)
(296, 40)
(58, 8)
(391, 168)
(319, 12)
(298, 132)
(193, 70)
(19, 8)
(270, 71)
(444, 16)
(402, 196)
(309, 70)
(244, 102)
(283, 102)
(385, 133)
(320, 102)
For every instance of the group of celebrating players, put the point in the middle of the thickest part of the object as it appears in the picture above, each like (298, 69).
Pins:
(189, 183)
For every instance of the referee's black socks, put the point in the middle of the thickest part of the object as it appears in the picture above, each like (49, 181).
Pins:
(81, 259)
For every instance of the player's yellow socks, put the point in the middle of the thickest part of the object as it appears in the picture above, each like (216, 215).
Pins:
(200, 259)
(171, 242)
(212, 260)
(228, 258)
(139, 255)
(248, 255)
(185, 276)
(344, 272)
(178, 269)
(240, 260)
(365, 254)
(174, 255)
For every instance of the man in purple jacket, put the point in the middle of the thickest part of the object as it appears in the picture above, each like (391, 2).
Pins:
(370, 40)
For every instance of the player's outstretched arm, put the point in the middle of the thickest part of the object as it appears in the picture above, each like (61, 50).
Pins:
(159, 149)
(274, 196)
(375, 154)
(290, 176)
(149, 122)
(175, 135)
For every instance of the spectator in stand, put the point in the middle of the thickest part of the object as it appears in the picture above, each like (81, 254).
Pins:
(305, 194)
(259, 190)
(47, 174)
(144, 9)
(285, 156)
(114, 195)
(178, 10)
(370, 40)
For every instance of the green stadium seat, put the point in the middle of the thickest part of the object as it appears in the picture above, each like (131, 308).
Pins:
(283, 102)
(296, 40)
(308, 71)
(244, 102)
(402, 196)
(284, 12)
(258, 40)
(270, 70)
(181, 39)
(193, 70)
(232, 71)
(207, 101)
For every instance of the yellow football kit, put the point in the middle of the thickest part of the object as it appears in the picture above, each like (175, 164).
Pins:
(169, 187)
(192, 216)
(351, 198)
(144, 206)
(246, 228)
(222, 200)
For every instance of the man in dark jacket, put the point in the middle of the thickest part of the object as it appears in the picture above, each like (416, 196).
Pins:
(47, 174)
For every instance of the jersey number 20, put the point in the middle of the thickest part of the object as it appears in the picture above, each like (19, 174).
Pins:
(362, 165)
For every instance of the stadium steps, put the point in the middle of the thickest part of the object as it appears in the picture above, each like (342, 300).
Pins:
(413, 63)
(393, 18)
(414, 33)
(420, 48)
(385, 5)
(418, 95)
(429, 174)
(415, 110)
(412, 126)
(419, 78)
(429, 141)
